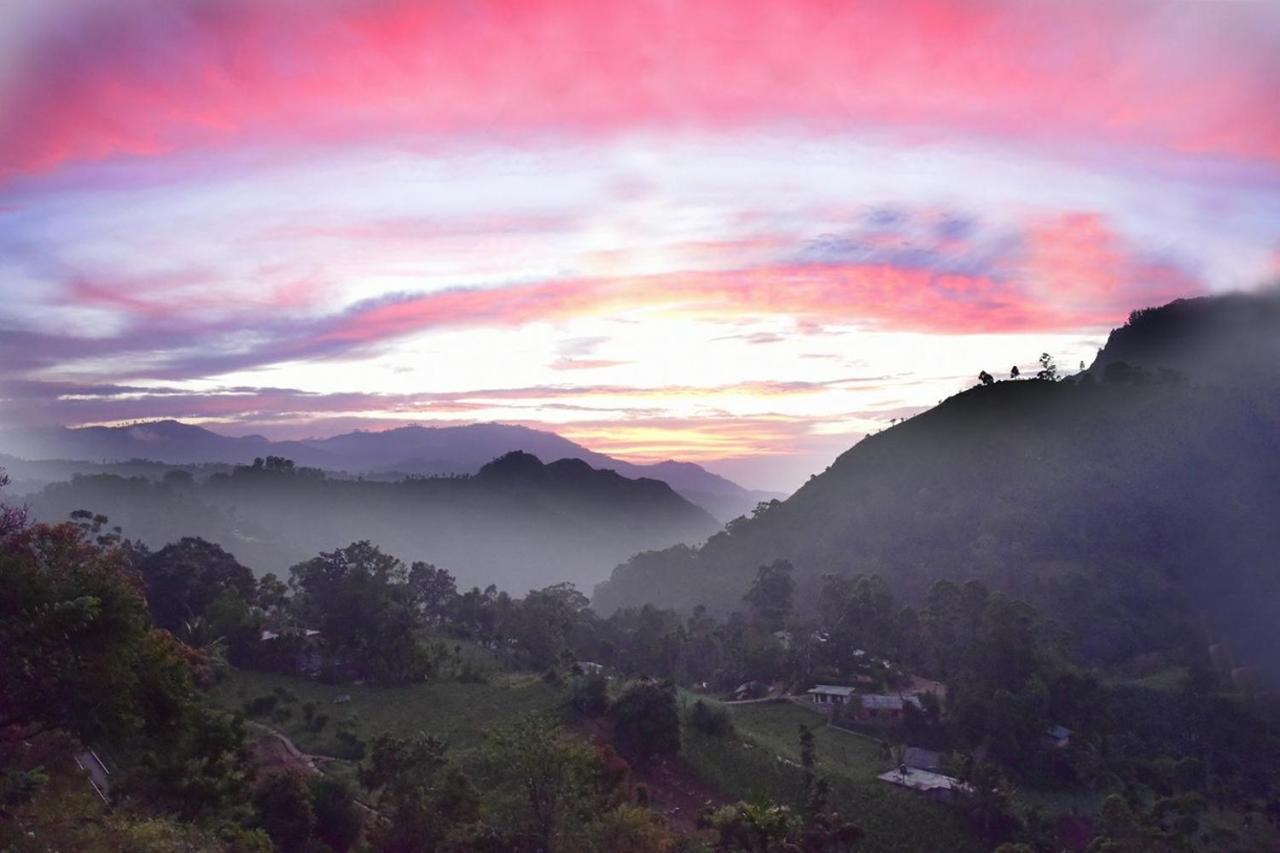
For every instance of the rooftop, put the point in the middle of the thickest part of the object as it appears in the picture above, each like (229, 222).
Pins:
(832, 690)
(878, 702)
(922, 780)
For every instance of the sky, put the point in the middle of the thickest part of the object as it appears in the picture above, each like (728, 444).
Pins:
(741, 234)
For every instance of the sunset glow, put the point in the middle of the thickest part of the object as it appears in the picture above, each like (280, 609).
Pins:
(739, 234)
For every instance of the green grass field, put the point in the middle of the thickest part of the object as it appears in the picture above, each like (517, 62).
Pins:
(776, 726)
(762, 760)
(458, 714)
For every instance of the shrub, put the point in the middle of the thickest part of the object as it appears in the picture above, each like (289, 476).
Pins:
(709, 720)
(261, 706)
(646, 720)
(590, 695)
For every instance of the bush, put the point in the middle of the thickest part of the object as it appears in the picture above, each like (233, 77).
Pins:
(284, 806)
(338, 820)
(709, 720)
(646, 720)
(349, 746)
(261, 706)
(590, 695)
(469, 673)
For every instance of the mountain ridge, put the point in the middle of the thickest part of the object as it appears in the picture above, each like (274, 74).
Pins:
(412, 450)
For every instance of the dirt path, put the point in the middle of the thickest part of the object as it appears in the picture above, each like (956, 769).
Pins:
(274, 752)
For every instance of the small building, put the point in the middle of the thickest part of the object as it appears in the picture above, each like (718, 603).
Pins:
(935, 786)
(750, 690)
(1058, 737)
(918, 685)
(881, 708)
(784, 639)
(829, 694)
(922, 759)
(590, 667)
(292, 649)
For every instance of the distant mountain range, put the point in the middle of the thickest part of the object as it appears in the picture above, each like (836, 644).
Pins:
(516, 523)
(410, 450)
(1137, 503)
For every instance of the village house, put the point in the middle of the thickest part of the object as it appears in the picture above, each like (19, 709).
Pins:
(880, 708)
(1058, 737)
(829, 694)
(292, 650)
(749, 690)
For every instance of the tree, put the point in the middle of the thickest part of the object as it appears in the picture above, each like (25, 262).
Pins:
(771, 593)
(1014, 373)
(1048, 370)
(193, 579)
(545, 782)
(987, 800)
(433, 590)
(285, 807)
(647, 723)
(359, 600)
(12, 519)
(422, 795)
(812, 794)
(544, 620)
(195, 766)
(79, 651)
(338, 819)
(272, 593)
(985, 378)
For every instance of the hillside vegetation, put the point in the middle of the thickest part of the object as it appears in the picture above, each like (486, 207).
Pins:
(1132, 502)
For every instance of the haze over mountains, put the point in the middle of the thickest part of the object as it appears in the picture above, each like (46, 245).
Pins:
(516, 523)
(410, 450)
(1129, 502)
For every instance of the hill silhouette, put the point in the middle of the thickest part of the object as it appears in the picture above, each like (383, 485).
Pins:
(387, 454)
(1136, 504)
(517, 523)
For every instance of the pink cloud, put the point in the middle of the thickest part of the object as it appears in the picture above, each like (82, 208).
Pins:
(141, 79)
(1071, 280)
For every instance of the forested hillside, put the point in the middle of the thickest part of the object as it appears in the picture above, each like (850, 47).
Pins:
(1131, 502)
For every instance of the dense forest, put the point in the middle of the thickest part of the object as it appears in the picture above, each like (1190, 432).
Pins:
(150, 657)
(517, 522)
(1128, 501)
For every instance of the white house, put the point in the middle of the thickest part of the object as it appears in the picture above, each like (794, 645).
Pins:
(830, 694)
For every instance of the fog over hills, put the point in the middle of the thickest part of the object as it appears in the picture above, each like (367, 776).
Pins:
(1129, 502)
(388, 454)
(517, 523)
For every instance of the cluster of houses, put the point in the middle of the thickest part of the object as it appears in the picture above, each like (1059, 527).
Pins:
(875, 708)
